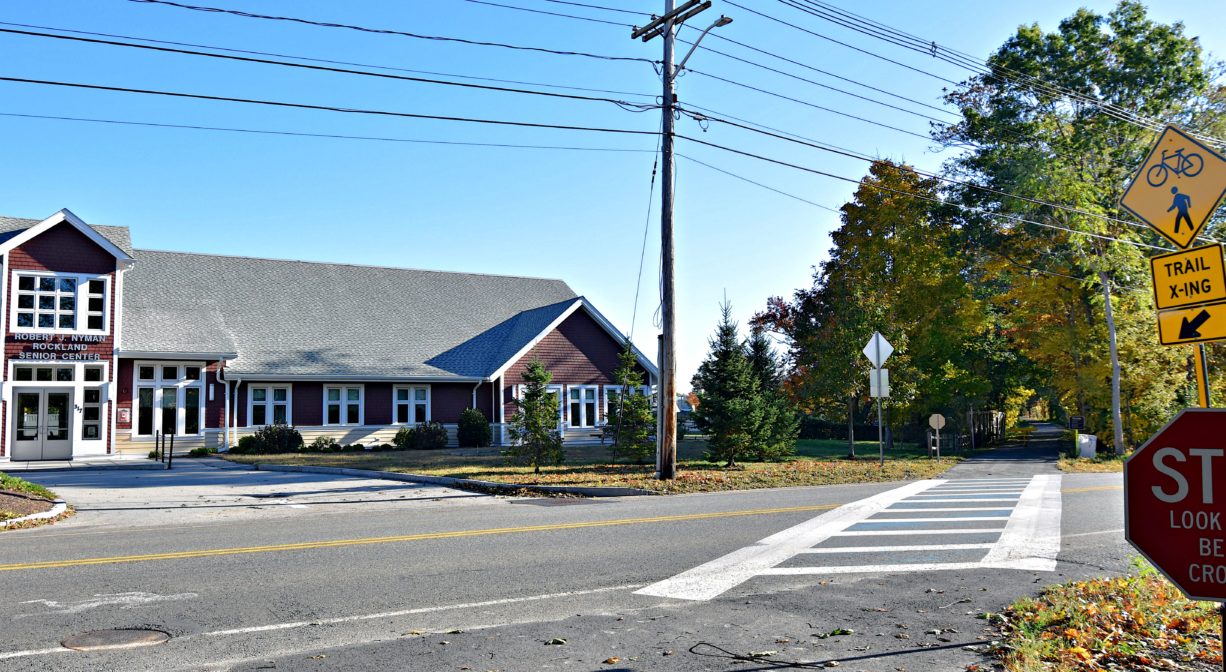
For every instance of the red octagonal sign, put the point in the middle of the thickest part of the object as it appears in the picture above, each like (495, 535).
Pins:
(1174, 498)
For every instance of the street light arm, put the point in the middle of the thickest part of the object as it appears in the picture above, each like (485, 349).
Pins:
(721, 21)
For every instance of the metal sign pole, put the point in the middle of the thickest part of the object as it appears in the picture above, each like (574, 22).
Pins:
(880, 393)
(1202, 376)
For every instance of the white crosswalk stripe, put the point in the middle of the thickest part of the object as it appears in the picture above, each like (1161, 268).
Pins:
(1009, 523)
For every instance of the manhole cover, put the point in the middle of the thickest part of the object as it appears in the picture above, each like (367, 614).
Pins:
(102, 640)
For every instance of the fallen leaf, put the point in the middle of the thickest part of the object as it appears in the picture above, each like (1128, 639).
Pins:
(612, 660)
(556, 641)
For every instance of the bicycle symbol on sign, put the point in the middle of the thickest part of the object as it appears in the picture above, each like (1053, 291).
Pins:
(1182, 165)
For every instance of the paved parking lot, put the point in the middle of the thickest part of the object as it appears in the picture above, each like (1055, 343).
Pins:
(201, 491)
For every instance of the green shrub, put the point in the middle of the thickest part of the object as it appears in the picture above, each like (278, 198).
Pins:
(153, 454)
(429, 436)
(321, 444)
(201, 452)
(385, 446)
(474, 429)
(246, 444)
(404, 438)
(277, 439)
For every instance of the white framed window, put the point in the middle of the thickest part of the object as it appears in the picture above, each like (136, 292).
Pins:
(410, 404)
(343, 404)
(169, 398)
(269, 405)
(581, 405)
(612, 392)
(59, 302)
(91, 414)
(556, 391)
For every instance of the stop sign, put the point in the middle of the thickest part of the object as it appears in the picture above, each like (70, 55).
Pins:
(1174, 498)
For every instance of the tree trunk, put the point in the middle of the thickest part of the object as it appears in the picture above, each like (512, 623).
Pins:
(851, 426)
(1117, 424)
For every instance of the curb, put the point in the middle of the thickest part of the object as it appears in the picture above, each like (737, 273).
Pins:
(60, 507)
(460, 482)
(8, 469)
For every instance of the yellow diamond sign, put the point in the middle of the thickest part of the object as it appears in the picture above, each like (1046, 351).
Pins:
(1178, 187)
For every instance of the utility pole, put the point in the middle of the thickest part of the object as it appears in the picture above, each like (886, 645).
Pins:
(666, 26)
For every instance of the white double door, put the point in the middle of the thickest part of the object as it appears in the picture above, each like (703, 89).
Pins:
(42, 427)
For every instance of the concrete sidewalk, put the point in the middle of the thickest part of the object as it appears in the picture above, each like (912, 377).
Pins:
(92, 462)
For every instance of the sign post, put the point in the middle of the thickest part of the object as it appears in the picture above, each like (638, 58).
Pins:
(1173, 504)
(937, 421)
(878, 350)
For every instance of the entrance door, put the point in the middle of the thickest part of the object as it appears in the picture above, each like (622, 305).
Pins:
(43, 427)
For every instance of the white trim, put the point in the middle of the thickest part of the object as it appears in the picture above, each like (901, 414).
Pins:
(601, 320)
(80, 299)
(65, 216)
(593, 422)
(357, 378)
(644, 390)
(153, 354)
(411, 402)
(159, 385)
(269, 403)
(344, 402)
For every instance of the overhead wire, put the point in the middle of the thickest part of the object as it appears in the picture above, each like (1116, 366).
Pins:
(329, 61)
(838, 16)
(330, 136)
(980, 211)
(947, 180)
(325, 108)
(333, 69)
(389, 31)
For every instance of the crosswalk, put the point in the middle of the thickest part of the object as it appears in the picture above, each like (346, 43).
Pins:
(1009, 523)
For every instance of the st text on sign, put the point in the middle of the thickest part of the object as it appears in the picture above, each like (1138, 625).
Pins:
(1174, 496)
(1178, 187)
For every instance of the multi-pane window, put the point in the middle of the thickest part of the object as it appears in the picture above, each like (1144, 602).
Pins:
(44, 374)
(581, 405)
(169, 399)
(613, 392)
(60, 303)
(91, 414)
(412, 404)
(269, 406)
(342, 405)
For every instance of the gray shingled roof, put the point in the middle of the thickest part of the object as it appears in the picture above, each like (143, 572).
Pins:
(296, 318)
(12, 226)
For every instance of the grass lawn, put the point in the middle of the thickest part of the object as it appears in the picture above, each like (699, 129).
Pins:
(817, 462)
(19, 497)
(14, 484)
(1130, 623)
(1101, 464)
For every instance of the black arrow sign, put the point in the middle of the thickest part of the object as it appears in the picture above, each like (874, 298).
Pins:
(1191, 329)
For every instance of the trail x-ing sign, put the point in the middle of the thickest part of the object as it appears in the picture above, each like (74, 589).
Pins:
(1178, 187)
(1174, 498)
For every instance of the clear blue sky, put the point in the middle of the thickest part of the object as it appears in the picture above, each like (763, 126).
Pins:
(573, 215)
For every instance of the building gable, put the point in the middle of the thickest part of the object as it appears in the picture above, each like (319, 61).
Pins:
(62, 248)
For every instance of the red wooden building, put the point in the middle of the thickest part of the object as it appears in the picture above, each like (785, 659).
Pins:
(106, 346)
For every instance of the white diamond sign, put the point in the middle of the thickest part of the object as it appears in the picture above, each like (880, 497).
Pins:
(878, 350)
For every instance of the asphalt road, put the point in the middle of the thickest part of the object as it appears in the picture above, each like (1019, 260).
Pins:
(431, 579)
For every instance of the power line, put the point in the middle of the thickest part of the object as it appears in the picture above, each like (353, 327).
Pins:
(758, 184)
(326, 108)
(329, 61)
(388, 31)
(964, 208)
(845, 44)
(323, 68)
(331, 136)
(971, 185)
(607, 9)
(881, 31)
(757, 64)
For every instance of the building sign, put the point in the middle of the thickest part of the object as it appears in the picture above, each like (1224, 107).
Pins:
(58, 347)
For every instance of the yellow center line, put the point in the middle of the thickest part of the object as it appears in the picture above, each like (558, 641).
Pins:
(1095, 488)
(337, 543)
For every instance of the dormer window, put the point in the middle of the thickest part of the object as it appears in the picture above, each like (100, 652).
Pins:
(59, 302)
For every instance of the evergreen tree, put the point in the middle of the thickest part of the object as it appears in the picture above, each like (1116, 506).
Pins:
(535, 438)
(729, 404)
(630, 420)
(775, 437)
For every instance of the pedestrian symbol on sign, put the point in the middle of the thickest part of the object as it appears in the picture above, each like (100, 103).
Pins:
(1178, 187)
